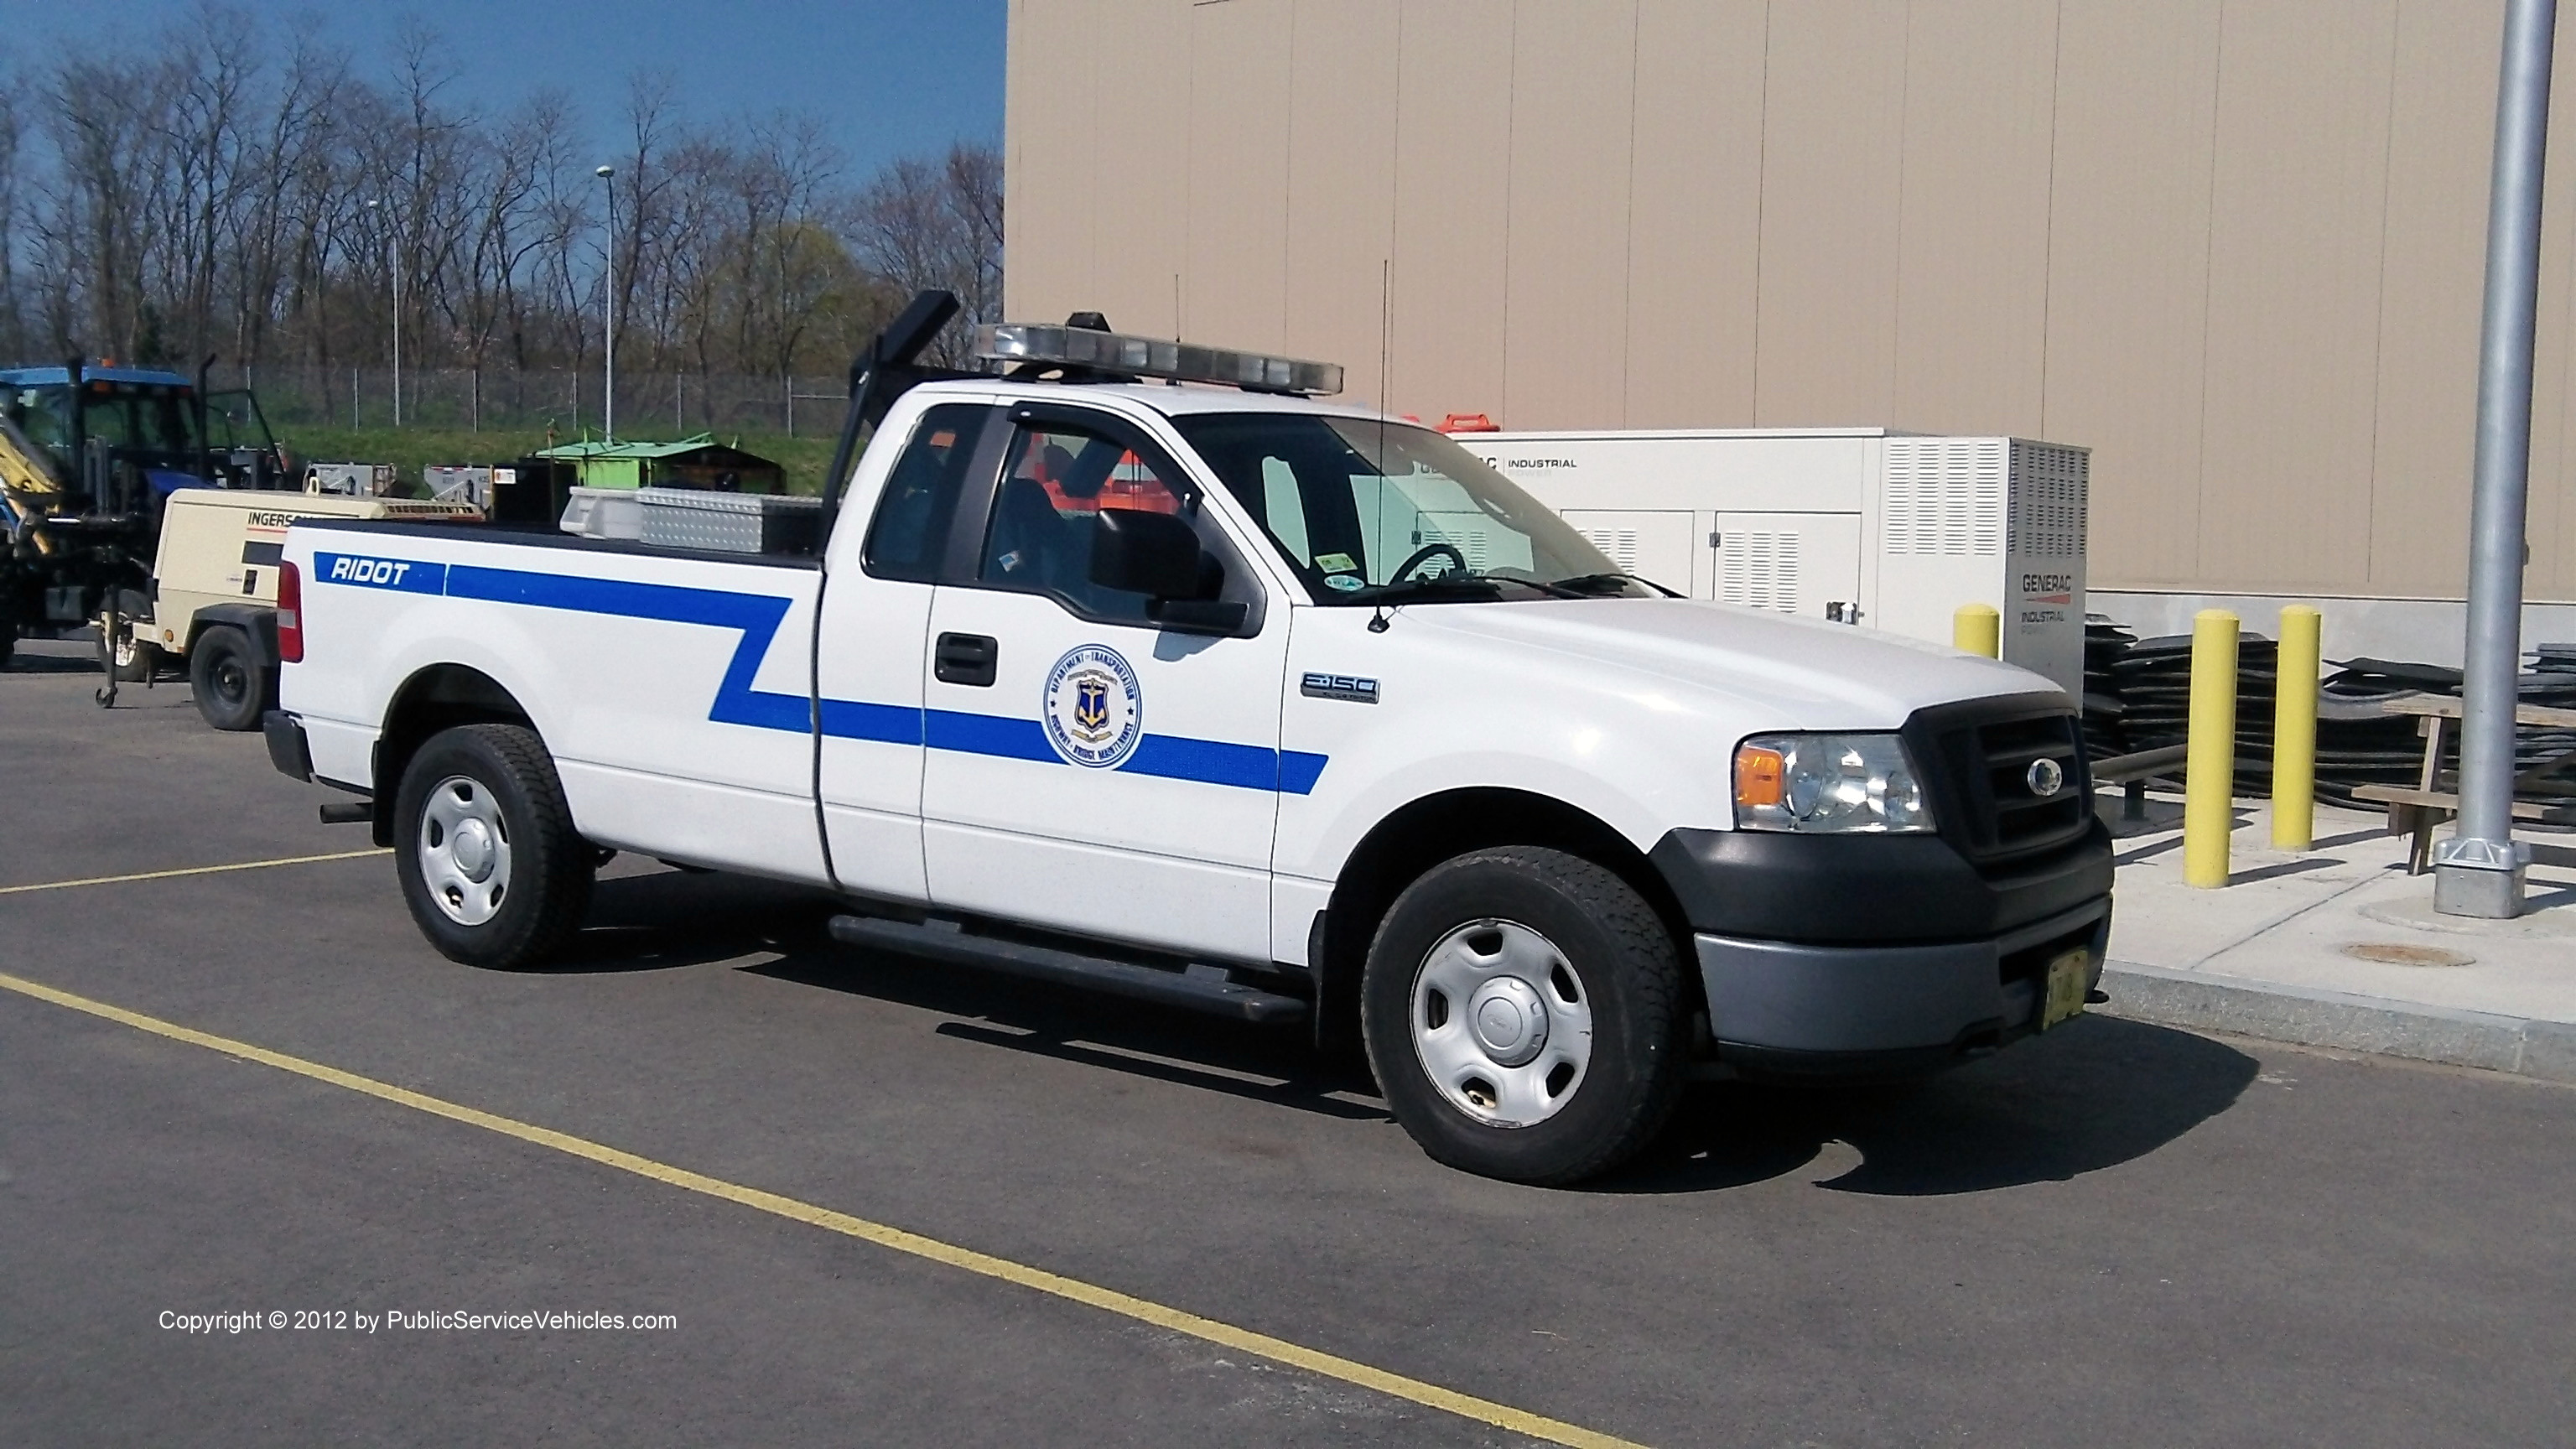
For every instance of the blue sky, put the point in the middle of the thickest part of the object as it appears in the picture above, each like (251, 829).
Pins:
(891, 77)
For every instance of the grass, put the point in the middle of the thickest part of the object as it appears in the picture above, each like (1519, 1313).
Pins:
(804, 457)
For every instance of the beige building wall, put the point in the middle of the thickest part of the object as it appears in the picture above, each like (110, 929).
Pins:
(2234, 246)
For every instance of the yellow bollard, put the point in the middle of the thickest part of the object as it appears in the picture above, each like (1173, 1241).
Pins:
(1978, 629)
(2294, 732)
(2209, 764)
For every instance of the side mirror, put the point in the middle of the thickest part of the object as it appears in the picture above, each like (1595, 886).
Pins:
(1158, 555)
(1154, 554)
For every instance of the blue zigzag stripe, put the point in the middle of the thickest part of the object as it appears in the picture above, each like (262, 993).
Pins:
(1173, 757)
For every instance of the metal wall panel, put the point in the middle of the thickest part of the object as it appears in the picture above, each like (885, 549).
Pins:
(1341, 183)
(1832, 147)
(2128, 284)
(2440, 140)
(2296, 226)
(1565, 293)
(1234, 281)
(1452, 205)
(1972, 258)
(1695, 213)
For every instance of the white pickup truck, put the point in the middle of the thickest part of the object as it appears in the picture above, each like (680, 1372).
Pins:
(1107, 673)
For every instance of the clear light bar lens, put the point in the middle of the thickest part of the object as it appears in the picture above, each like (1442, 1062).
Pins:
(1153, 357)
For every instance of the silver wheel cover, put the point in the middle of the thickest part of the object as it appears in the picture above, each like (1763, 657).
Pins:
(464, 850)
(1502, 1024)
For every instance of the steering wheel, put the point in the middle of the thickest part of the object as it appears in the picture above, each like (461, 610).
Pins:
(1423, 554)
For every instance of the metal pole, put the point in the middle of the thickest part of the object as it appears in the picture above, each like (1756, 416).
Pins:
(393, 263)
(608, 404)
(2479, 870)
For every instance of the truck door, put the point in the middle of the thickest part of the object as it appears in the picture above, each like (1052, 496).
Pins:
(868, 663)
(1086, 769)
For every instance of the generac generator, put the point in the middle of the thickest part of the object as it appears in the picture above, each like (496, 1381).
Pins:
(1882, 529)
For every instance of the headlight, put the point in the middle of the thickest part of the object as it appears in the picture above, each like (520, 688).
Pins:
(1829, 784)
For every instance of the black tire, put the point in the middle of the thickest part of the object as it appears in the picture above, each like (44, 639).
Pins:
(1629, 972)
(231, 688)
(8, 641)
(548, 865)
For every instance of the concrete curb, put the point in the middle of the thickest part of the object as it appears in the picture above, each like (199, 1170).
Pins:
(2309, 1017)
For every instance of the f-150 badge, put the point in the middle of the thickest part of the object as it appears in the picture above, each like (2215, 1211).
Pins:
(1093, 711)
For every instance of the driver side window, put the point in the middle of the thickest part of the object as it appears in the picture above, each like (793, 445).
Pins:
(1056, 482)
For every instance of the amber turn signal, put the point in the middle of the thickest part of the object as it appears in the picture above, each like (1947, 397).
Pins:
(1760, 776)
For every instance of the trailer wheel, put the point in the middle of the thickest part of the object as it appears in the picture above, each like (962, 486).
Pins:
(492, 869)
(1525, 1015)
(225, 676)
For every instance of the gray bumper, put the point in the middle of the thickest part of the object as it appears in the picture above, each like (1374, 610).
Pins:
(1854, 1008)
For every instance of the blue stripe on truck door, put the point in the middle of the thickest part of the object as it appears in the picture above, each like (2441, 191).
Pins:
(1177, 757)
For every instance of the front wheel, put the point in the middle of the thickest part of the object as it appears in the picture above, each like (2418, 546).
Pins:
(1525, 1015)
(492, 869)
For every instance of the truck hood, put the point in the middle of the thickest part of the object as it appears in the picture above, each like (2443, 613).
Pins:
(1823, 675)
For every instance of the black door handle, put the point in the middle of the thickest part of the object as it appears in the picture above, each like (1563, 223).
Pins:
(965, 658)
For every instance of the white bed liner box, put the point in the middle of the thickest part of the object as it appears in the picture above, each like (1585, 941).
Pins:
(730, 522)
(1904, 527)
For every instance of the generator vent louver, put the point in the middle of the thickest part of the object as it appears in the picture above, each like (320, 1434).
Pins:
(2048, 500)
(1758, 568)
(1619, 543)
(1945, 496)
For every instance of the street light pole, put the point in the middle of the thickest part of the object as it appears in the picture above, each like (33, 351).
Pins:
(2479, 871)
(608, 413)
(393, 271)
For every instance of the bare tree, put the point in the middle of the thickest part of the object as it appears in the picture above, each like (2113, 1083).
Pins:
(208, 188)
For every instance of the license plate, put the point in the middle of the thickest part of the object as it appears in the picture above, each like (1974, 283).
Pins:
(2065, 987)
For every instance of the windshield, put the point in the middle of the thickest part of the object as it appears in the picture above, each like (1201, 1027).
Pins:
(1365, 510)
(142, 419)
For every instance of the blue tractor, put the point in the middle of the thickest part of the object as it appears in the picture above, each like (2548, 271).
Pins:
(88, 452)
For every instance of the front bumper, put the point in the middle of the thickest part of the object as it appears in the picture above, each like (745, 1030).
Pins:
(1866, 955)
(1794, 1009)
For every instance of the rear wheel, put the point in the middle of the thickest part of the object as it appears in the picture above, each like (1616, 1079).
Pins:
(224, 674)
(1525, 1015)
(492, 869)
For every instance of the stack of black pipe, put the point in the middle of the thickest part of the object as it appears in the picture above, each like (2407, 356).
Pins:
(2137, 696)
(2105, 642)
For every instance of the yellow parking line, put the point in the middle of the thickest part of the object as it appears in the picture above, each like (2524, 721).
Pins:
(64, 885)
(1242, 1340)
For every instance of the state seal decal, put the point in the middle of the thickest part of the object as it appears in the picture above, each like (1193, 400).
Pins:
(1093, 710)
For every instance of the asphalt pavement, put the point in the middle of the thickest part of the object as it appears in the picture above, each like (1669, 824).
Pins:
(2122, 1233)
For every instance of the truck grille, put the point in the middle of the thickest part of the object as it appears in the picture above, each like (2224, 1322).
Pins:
(1987, 796)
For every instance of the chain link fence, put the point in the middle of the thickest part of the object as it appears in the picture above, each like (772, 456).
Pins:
(675, 404)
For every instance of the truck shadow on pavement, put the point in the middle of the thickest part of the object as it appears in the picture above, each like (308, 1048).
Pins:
(2095, 1093)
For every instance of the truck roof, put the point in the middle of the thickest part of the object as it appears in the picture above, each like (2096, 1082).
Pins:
(57, 376)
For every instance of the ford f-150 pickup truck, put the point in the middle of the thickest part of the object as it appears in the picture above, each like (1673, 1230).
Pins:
(1138, 666)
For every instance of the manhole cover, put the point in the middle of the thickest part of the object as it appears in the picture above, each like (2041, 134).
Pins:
(2394, 953)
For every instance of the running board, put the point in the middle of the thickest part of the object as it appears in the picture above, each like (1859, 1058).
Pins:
(1201, 988)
